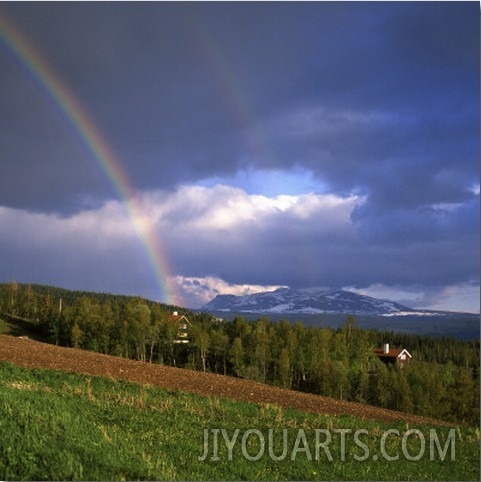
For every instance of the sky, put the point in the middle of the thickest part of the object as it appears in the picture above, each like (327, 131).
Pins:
(178, 150)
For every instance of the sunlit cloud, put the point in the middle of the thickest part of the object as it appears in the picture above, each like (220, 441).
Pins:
(200, 290)
(225, 207)
(222, 240)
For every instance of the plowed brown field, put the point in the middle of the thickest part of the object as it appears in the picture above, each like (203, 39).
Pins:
(28, 353)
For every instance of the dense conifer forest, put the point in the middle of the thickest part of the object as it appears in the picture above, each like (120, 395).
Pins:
(442, 380)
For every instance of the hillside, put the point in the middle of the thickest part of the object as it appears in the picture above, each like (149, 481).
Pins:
(66, 426)
(333, 363)
(28, 353)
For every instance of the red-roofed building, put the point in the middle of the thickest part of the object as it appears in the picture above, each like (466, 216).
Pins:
(395, 356)
(183, 325)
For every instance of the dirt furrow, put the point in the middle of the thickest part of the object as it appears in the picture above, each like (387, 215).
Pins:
(29, 353)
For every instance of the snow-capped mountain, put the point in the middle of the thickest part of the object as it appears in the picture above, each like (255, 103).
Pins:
(308, 301)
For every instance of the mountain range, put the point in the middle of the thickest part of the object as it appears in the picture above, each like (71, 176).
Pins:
(310, 301)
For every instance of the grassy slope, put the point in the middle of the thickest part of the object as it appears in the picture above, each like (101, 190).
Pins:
(61, 426)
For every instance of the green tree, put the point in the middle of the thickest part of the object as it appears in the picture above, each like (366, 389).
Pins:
(219, 343)
(284, 368)
(403, 396)
(167, 335)
(261, 341)
(349, 328)
(138, 319)
(339, 380)
(76, 335)
(299, 347)
(87, 316)
(238, 328)
(201, 340)
(13, 296)
(237, 356)
(379, 389)
(464, 398)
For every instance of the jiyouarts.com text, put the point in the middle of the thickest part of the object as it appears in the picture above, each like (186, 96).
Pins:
(323, 444)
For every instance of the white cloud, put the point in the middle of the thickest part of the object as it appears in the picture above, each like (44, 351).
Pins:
(475, 189)
(391, 293)
(221, 240)
(200, 229)
(110, 222)
(463, 297)
(460, 297)
(197, 291)
(225, 207)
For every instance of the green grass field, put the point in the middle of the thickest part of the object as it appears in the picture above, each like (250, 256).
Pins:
(61, 426)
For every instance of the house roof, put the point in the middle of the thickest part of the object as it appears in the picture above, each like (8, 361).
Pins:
(177, 317)
(392, 353)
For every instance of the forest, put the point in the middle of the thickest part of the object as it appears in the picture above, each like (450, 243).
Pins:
(441, 381)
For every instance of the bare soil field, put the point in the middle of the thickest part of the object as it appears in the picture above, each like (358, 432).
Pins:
(25, 352)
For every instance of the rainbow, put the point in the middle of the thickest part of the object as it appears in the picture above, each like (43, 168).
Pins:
(31, 59)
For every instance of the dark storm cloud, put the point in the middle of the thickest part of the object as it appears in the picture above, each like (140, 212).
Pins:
(95, 250)
(377, 102)
(180, 90)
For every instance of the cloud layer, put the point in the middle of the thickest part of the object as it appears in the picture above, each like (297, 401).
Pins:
(224, 240)
(271, 144)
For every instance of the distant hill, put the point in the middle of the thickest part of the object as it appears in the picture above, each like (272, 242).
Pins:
(311, 301)
(69, 295)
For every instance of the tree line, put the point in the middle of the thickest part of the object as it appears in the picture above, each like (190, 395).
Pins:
(442, 381)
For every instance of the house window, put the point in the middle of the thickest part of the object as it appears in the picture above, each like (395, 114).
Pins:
(402, 356)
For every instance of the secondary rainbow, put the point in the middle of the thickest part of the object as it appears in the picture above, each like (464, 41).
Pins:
(233, 95)
(65, 100)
